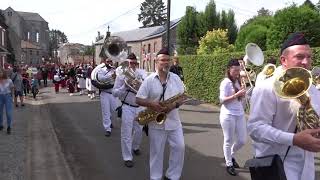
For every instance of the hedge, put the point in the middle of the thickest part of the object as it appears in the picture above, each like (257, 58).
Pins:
(203, 74)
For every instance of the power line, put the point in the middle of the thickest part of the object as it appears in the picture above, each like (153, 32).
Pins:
(110, 21)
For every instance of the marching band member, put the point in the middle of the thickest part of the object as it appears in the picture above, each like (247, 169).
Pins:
(272, 120)
(81, 78)
(160, 86)
(262, 75)
(131, 131)
(232, 115)
(107, 100)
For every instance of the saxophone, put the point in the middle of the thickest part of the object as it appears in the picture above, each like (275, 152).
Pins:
(148, 115)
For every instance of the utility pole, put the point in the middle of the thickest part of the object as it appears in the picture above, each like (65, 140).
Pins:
(168, 24)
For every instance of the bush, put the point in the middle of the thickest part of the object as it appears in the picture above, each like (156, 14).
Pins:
(203, 74)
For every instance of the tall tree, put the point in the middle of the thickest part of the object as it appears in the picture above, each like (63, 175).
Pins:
(153, 13)
(56, 37)
(188, 32)
(211, 17)
(223, 20)
(318, 6)
(264, 12)
(232, 27)
(309, 3)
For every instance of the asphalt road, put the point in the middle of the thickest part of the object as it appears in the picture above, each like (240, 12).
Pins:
(60, 137)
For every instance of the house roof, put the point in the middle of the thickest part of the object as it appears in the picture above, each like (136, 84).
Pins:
(29, 45)
(142, 33)
(30, 16)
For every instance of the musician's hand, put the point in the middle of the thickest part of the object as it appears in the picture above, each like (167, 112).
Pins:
(240, 93)
(306, 140)
(170, 107)
(156, 106)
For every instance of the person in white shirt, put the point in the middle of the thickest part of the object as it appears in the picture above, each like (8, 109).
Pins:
(107, 100)
(272, 120)
(160, 86)
(232, 115)
(131, 131)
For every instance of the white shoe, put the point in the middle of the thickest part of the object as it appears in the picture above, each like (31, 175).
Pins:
(71, 94)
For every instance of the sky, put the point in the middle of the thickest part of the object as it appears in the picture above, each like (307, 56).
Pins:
(80, 20)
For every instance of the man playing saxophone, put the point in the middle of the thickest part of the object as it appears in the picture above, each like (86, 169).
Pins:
(160, 86)
(272, 122)
(131, 131)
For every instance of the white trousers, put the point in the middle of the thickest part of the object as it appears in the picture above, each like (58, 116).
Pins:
(158, 138)
(235, 134)
(131, 132)
(108, 106)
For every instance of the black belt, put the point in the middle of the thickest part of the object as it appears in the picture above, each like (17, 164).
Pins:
(129, 104)
(107, 92)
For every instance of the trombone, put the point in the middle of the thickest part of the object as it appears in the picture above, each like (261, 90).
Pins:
(255, 56)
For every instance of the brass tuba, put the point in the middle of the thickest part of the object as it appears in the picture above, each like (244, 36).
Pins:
(148, 115)
(115, 48)
(295, 83)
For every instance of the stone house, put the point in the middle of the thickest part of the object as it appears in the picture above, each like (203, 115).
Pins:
(3, 42)
(144, 43)
(72, 53)
(29, 36)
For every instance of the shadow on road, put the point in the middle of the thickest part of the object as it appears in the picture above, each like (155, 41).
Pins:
(215, 126)
(200, 111)
(91, 155)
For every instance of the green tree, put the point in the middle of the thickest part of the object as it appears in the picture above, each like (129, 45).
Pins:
(223, 20)
(215, 42)
(56, 37)
(309, 4)
(264, 12)
(254, 30)
(211, 17)
(318, 6)
(152, 13)
(293, 19)
(188, 32)
(232, 27)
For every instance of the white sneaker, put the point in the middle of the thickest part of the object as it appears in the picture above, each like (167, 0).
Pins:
(71, 94)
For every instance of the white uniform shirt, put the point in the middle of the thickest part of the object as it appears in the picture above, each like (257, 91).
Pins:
(234, 106)
(120, 89)
(151, 88)
(271, 125)
(105, 74)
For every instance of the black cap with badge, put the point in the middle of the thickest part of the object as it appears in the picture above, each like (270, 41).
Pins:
(297, 38)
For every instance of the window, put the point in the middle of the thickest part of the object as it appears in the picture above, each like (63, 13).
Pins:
(37, 53)
(28, 36)
(2, 38)
(154, 46)
(37, 37)
(30, 52)
(149, 48)
(9, 13)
